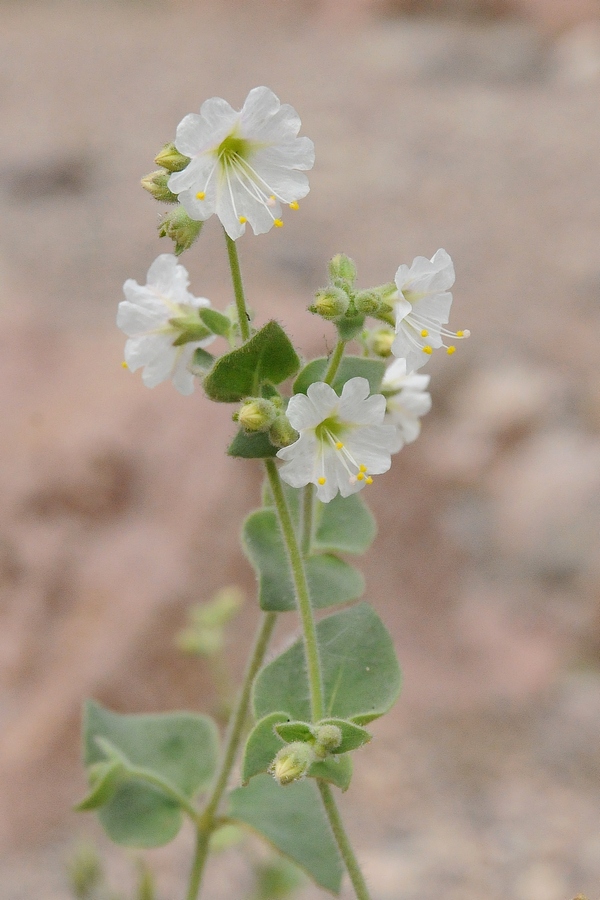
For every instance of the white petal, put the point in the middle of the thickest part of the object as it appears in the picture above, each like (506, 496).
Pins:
(160, 368)
(142, 350)
(395, 375)
(199, 210)
(287, 184)
(298, 153)
(135, 319)
(282, 126)
(260, 105)
(164, 272)
(436, 307)
(226, 211)
(301, 458)
(323, 398)
(190, 135)
(182, 377)
(194, 176)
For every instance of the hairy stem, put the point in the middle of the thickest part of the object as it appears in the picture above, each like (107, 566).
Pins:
(350, 861)
(206, 819)
(308, 502)
(238, 287)
(311, 648)
(334, 362)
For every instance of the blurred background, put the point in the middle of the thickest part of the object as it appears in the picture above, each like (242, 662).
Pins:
(472, 125)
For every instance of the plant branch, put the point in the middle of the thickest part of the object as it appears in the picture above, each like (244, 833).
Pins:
(334, 362)
(337, 826)
(238, 287)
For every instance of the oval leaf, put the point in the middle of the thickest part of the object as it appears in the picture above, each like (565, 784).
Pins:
(361, 676)
(353, 736)
(344, 525)
(262, 746)
(350, 367)
(336, 770)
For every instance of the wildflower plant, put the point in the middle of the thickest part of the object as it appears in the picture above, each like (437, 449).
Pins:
(321, 442)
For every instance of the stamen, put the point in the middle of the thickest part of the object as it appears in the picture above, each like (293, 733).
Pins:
(322, 480)
(200, 195)
(124, 364)
(242, 220)
(424, 333)
(360, 476)
(294, 205)
(278, 223)
(427, 349)
(368, 480)
(362, 468)
(339, 445)
(450, 350)
(271, 201)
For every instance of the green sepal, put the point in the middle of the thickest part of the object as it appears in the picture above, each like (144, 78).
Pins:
(202, 361)
(255, 445)
(104, 778)
(361, 676)
(267, 356)
(292, 820)
(353, 736)
(295, 731)
(215, 321)
(349, 326)
(344, 525)
(336, 770)
(178, 748)
(330, 580)
(350, 367)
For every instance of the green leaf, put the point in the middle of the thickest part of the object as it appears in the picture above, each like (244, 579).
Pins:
(361, 676)
(181, 748)
(344, 525)
(330, 580)
(202, 361)
(104, 780)
(292, 819)
(252, 446)
(267, 356)
(262, 746)
(350, 367)
(336, 769)
(216, 321)
(353, 736)
(295, 731)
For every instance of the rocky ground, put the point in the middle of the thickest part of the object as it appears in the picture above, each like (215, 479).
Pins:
(479, 135)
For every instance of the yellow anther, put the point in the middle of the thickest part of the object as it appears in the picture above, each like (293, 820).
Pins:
(427, 349)
(460, 334)
(322, 480)
(200, 195)
(294, 205)
(450, 350)
(424, 333)
(360, 476)
(338, 445)
(368, 480)
(362, 468)
(278, 223)
(124, 364)
(272, 198)
(242, 220)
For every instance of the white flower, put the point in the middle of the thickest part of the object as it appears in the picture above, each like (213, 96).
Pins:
(423, 308)
(162, 323)
(343, 441)
(244, 165)
(407, 401)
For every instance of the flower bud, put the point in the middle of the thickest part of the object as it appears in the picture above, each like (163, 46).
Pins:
(178, 226)
(367, 302)
(170, 158)
(342, 268)
(281, 433)
(380, 342)
(257, 414)
(292, 762)
(327, 738)
(156, 184)
(330, 303)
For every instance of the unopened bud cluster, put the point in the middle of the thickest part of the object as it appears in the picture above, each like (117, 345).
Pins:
(156, 183)
(260, 415)
(340, 302)
(182, 230)
(293, 761)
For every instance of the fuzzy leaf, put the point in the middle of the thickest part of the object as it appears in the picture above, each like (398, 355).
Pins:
(361, 677)
(267, 356)
(344, 525)
(350, 367)
(336, 770)
(252, 446)
(292, 819)
(216, 321)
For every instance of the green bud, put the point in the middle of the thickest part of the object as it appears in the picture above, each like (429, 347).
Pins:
(367, 302)
(257, 414)
(156, 184)
(327, 738)
(380, 342)
(330, 303)
(342, 268)
(170, 158)
(292, 762)
(182, 230)
(281, 433)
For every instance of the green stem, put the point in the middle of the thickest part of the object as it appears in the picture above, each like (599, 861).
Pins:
(167, 788)
(311, 647)
(356, 876)
(308, 495)
(334, 362)
(238, 287)
(206, 820)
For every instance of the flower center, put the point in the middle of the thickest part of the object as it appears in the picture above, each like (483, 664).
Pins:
(232, 148)
(330, 433)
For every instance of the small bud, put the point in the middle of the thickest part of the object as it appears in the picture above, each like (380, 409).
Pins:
(327, 738)
(182, 230)
(281, 433)
(292, 763)
(380, 342)
(156, 184)
(257, 414)
(342, 268)
(170, 158)
(367, 302)
(330, 303)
